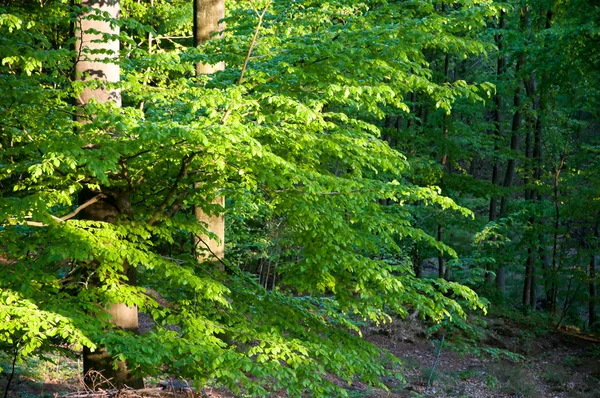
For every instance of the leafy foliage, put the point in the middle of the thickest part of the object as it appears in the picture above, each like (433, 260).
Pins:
(344, 137)
(294, 143)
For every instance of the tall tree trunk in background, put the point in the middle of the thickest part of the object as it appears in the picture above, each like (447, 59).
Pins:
(207, 14)
(499, 128)
(91, 65)
(413, 109)
(533, 154)
(517, 122)
(528, 282)
(531, 91)
(592, 275)
(441, 260)
(443, 270)
(553, 284)
(539, 102)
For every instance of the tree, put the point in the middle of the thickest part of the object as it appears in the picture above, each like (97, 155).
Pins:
(97, 49)
(207, 17)
(289, 132)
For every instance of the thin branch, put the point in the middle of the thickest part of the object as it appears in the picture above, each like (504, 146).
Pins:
(68, 216)
(80, 208)
(137, 154)
(12, 373)
(435, 362)
(254, 38)
(125, 173)
(230, 267)
(226, 115)
(32, 223)
(176, 206)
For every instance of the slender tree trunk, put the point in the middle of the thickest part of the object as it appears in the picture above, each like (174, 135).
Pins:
(592, 274)
(388, 124)
(592, 286)
(413, 108)
(554, 268)
(441, 260)
(416, 260)
(442, 271)
(528, 277)
(537, 155)
(499, 127)
(534, 144)
(98, 60)
(207, 17)
(530, 194)
(517, 121)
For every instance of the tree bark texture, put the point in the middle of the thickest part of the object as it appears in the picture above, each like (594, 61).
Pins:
(207, 17)
(94, 65)
(207, 25)
(97, 59)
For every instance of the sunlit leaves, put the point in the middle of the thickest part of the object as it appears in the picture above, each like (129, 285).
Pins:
(297, 150)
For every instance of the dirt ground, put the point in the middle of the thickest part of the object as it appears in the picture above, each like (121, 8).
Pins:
(556, 364)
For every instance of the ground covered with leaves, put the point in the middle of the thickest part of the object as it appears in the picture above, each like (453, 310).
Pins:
(493, 356)
(548, 363)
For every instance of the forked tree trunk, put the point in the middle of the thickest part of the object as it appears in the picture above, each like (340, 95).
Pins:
(207, 15)
(93, 65)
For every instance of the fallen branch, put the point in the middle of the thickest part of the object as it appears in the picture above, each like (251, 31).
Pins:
(157, 391)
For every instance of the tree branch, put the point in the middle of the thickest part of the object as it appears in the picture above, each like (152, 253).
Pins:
(68, 216)
(254, 38)
(185, 162)
(80, 208)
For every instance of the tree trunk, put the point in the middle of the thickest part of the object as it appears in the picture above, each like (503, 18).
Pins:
(592, 274)
(441, 260)
(207, 14)
(528, 277)
(98, 60)
(442, 271)
(499, 128)
(512, 163)
(592, 303)
(92, 53)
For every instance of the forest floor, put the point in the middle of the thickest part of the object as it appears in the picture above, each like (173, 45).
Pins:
(552, 364)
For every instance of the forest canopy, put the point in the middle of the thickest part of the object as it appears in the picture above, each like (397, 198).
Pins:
(341, 145)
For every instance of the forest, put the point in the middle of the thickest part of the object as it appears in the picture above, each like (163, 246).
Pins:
(299, 198)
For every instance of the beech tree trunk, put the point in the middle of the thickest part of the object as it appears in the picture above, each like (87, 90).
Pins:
(207, 17)
(207, 25)
(103, 65)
